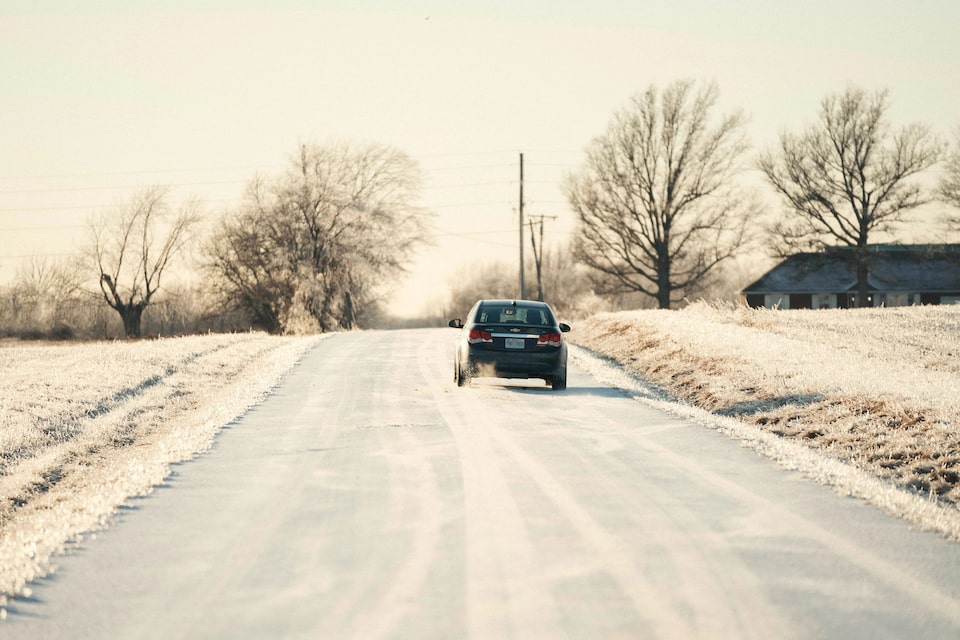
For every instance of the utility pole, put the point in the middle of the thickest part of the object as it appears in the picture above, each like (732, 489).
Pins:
(523, 289)
(538, 254)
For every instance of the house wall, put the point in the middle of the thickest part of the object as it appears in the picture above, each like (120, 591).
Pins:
(828, 300)
(900, 299)
(831, 300)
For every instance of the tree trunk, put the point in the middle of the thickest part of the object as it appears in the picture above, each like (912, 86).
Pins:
(349, 314)
(663, 299)
(664, 285)
(131, 315)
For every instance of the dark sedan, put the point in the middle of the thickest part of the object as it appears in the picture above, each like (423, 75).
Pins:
(511, 339)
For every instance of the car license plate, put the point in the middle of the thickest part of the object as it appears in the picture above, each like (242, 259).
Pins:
(514, 343)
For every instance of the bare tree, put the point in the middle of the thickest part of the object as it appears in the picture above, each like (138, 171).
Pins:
(132, 248)
(318, 244)
(249, 266)
(949, 186)
(657, 207)
(54, 289)
(472, 282)
(847, 176)
(566, 283)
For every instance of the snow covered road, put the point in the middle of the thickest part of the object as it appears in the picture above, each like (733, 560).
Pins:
(369, 497)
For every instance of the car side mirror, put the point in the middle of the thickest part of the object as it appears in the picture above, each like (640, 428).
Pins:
(456, 323)
(564, 327)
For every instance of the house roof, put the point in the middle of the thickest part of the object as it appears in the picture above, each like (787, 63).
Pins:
(907, 268)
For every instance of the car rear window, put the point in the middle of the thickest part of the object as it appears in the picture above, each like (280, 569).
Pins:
(495, 315)
(534, 316)
(514, 315)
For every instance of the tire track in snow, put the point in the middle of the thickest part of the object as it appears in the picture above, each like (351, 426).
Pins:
(504, 597)
(675, 530)
(413, 489)
(509, 595)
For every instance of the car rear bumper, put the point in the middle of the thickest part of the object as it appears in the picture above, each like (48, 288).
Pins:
(521, 364)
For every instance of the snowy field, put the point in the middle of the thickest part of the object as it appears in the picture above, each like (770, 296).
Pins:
(83, 427)
(864, 400)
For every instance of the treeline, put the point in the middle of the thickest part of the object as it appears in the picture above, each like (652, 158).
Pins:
(662, 205)
(312, 249)
(49, 301)
(663, 214)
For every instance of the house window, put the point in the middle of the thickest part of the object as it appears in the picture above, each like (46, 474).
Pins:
(929, 298)
(801, 301)
(897, 300)
(755, 300)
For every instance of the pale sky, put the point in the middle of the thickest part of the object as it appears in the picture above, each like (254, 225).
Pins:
(201, 94)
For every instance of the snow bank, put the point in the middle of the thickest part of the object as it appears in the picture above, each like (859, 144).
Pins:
(864, 400)
(84, 427)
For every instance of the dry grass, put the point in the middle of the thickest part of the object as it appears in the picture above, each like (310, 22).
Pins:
(872, 388)
(83, 427)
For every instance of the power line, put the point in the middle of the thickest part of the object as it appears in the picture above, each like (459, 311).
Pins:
(53, 209)
(270, 167)
(58, 227)
(445, 232)
(115, 188)
(22, 256)
(35, 205)
(215, 183)
(88, 207)
(136, 173)
(455, 205)
(471, 184)
(470, 167)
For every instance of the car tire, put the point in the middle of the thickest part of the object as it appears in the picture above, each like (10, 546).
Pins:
(459, 375)
(559, 382)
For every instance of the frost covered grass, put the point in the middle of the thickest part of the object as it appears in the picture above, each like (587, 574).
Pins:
(83, 427)
(870, 394)
(864, 400)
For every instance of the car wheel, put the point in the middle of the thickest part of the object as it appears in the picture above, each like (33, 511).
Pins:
(459, 375)
(559, 382)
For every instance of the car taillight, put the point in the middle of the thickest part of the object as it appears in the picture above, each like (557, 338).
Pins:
(550, 339)
(476, 335)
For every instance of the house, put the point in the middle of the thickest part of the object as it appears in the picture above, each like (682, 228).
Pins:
(899, 275)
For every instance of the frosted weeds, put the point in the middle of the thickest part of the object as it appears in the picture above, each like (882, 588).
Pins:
(84, 427)
(863, 400)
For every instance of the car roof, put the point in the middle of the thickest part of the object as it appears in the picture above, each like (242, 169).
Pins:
(507, 302)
